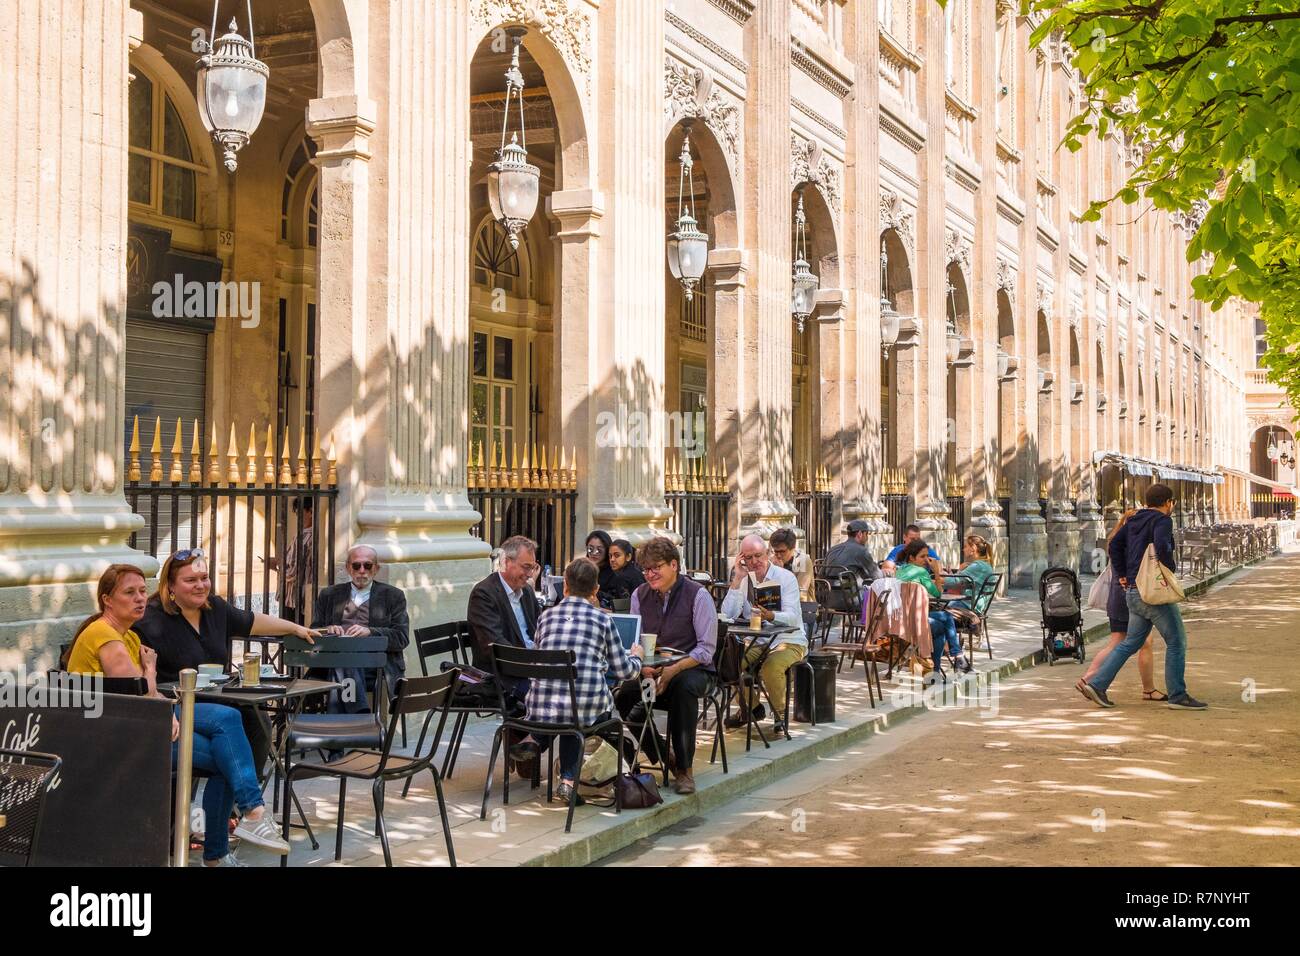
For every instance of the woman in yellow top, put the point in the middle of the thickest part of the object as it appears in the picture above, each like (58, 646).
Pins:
(106, 645)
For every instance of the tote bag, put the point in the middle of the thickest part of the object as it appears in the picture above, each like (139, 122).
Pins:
(1100, 590)
(1156, 583)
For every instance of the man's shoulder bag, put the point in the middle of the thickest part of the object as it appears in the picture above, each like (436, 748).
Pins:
(1156, 583)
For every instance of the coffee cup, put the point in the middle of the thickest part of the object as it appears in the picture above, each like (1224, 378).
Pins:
(211, 670)
(203, 679)
(648, 644)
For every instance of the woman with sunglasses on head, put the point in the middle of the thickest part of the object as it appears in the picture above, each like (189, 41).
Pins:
(598, 545)
(106, 644)
(188, 625)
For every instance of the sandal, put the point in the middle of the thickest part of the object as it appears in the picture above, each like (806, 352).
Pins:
(1157, 695)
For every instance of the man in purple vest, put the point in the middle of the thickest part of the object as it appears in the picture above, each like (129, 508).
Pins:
(682, 614)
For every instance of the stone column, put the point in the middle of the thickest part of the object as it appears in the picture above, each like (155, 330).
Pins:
(63, 291)
(932, 513)
(727, 280)
(836, 440)
(395, 305)
(628, 496)
(862, 273)
(576, 214)
(764, 367)
(986, 513)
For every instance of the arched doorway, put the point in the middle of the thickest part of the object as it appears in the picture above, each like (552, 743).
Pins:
(1047, 437)
(808, 354)
(960, 398)
(897, 290)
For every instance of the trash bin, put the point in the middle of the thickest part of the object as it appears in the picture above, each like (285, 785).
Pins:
(819, 685)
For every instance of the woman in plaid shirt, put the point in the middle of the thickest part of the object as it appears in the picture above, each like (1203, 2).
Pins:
(577, 624)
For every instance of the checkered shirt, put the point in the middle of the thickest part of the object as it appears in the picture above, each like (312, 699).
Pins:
(574, 625)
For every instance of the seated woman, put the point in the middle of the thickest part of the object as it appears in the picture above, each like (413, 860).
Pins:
(626, 576)
(598, 545)
(105, 644)
(915, 565)
(977, 569)
(577, 624)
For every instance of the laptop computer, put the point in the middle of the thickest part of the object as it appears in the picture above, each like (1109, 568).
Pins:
(553, 588)
(628, 627)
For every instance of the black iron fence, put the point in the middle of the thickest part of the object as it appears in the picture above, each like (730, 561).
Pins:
(957, 512)
(894, 494)
(265, 522)
(529, 498)
(697, 492)
(815, 510)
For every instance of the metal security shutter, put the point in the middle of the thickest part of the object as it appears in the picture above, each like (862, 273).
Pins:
(166, 376)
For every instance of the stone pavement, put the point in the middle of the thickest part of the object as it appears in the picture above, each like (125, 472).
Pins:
(531, 832)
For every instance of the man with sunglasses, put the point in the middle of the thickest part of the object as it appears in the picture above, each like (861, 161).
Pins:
(364, 607)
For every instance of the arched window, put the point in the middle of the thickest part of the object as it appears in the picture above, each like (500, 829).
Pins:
(299, 170)
(162, 174)
(498, 265)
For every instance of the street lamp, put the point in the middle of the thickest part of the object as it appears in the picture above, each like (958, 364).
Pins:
(512, 181)
(688, 247)
(805, 283)
(230, 87)
(889, 318)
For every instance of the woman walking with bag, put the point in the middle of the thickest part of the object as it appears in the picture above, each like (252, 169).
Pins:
(1117, 611)
(1143, 551)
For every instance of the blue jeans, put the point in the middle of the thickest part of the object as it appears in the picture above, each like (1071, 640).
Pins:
(943, 628)
(221, 748)
(1168, 620)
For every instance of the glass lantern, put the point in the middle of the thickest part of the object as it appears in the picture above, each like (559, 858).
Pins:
(231, 92)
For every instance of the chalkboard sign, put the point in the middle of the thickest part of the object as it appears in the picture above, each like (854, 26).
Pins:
(110, 803)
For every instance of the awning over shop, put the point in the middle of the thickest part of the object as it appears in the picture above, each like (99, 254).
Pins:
(1145, 468)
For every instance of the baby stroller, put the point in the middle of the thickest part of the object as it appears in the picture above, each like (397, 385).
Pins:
(1058, 596)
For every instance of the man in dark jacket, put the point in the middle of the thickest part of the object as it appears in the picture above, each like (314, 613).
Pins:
(364, 607)
(1151, 525)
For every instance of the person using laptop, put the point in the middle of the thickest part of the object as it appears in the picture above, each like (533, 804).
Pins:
(576, 624)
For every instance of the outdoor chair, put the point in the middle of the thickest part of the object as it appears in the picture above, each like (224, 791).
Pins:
(24, 778)
(454, 639)
(841, 601)
(869, 643)
(516, 663)
(425, 697)
(973, 621)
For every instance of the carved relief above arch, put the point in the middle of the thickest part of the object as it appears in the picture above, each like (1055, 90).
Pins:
(896, 215)
(1043, 301)
(561, 22)
(689, 93)
(808, 164)
(956, 249)
(1274, 419)
(1007, 280)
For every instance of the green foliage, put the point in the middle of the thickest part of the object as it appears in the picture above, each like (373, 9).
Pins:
(1209, 90)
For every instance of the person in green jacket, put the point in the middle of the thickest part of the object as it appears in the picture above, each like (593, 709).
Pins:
(917, 567)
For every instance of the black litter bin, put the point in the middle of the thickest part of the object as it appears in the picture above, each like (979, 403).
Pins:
(819, 685)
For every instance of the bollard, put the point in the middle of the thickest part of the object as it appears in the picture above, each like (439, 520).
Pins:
(184, 768)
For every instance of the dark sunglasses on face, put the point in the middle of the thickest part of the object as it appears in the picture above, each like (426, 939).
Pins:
(362, 565)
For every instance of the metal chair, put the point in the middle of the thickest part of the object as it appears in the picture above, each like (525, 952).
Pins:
(454, 639)
(517, 663)
(427, 696)
(24, 779)
(974, 621)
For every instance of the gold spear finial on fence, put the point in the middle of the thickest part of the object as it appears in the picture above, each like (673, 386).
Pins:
(301, 475)
(514, 466)
(196, 457)
(155, 452)
(315, 457)
(332, 463)
(232, 458)
(491, 476)
(543, 470)
(268, 458)
(286, 468)
(572, 482)
(251, 471)
(214, 459)
(175, 475)
(133, 472)
(672, 475)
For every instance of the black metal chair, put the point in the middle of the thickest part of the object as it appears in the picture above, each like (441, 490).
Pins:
(517, 663)
(24, 778)
(974, 623)
(859, 644)
(417, 696)
(454, 639)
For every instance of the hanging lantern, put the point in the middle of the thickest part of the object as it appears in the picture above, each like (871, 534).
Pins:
(512, 182)
(889, 317)
(804, 282)
(688, 247)
(230, 88)
(953, 342)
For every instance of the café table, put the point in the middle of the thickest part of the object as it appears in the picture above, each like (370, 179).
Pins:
(281, 697)
(749, 638)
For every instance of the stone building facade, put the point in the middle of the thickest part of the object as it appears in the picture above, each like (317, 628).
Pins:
(398, 329)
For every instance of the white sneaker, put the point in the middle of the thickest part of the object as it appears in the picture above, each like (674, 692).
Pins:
(262, 833)
(228, 860)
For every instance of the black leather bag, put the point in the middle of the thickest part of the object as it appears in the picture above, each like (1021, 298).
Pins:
(638, 791)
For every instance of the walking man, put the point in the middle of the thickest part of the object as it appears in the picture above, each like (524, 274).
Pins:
(1151, 525)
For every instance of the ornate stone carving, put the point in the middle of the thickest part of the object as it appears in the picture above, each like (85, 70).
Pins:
(895, 215)
(808, 164)
(689, 92)
(562, 22)
(956, 248)
(1007, 281)
(1044, 299)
